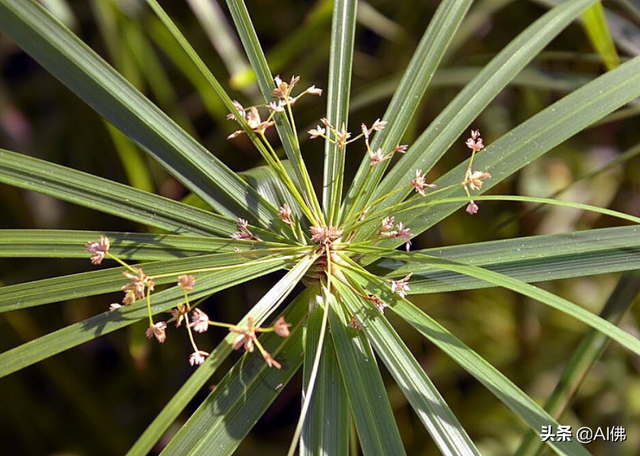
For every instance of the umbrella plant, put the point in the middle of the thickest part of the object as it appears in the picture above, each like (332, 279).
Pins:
(346, 248)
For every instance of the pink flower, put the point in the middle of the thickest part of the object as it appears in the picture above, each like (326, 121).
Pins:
(472, 208)
(199, 321)
(158, 331)
(419, 183)
(400, 287)
(196, 358)
(186, 282)
(281, 327)
(98, 249)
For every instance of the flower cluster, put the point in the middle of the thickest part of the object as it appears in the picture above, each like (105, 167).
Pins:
(141, 286)
(473, 180)
(400, 232)
(282, 93)
(244, 233)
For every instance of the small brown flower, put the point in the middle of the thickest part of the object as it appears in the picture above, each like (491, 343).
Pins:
(474, 179)
(419, 183)
(342, 136)
(186, 282)
(199, 321)
(98, 249)
(403, 232)
(281, 327)
(354, 323)
(276, 106)
(129, 297)
(285, 214)
(317, 132)
(283, 89)
(401, 286)
(139, 283)
(179, 314)
(472, 208)
(241, 111)
(114, 306)
(323, 234)
(158, 331)
(270, 361)
(378, 157)
(196, 358)
(313, 90)
(378, 125)
(475, 141)
(244, 233)
(401, 149)
(387, 224)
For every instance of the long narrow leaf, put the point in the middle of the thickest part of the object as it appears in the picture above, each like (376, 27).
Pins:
(531, 259)
(340, 62)
(108, 196)
(435, 414)
(84, 72)
(370, 408)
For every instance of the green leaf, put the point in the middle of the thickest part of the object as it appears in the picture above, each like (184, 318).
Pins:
(343, 31)
(75, 286)
(265, 180)
(531, 259)
(187, 392)
(472, 100)
(505, 390)
(106, 322)
(595, 23)
(127, 246)
(84, 72)
(108, 196)
(406, 99)
(585, 356)
(370, 407)
(244, 394)
(329, 403)
(447, 433)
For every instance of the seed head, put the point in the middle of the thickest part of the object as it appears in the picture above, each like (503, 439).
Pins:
(186, 282)
(199, 321)
(196, 358)
(323, 234)
(158, 331)
(400, 287)
(317, 132)
(475, 141)
(179, 314)
(285, 214)
(474, 179)
(281, 327)
(313, 90)
(98, 249)
(139, 283)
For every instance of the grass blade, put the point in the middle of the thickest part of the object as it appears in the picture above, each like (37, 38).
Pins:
(406, 99)
(46, 291)
(433, 411)
(326, 427)
(370, 408)
(585, 356)
(129, 246)
(595, 23)
(343, 31)
(108, 196)
(84, 72)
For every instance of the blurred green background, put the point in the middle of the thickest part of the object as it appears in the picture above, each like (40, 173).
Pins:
(98, 398)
